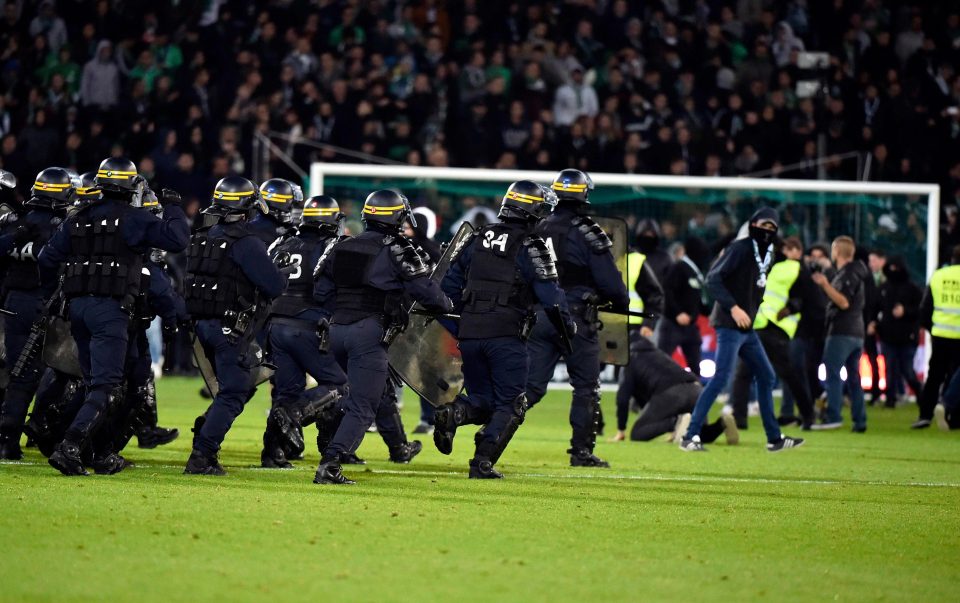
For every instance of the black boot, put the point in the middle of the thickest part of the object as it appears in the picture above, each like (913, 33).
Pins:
(583, 457)
(405, 452)
(201, 464)
(10, 448)
(109, 464)
(151, 437)
(329, 472)
(272, 456)
(66, 459)
(351, 458)
(482, 468)
(446, 419)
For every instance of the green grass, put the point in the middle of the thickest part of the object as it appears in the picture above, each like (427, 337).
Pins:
(848, 517)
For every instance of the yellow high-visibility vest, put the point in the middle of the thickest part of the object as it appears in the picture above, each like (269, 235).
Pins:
(635, 261)
(945, 287)
(781, 278)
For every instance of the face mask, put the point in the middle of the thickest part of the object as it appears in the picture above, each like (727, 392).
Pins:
(646, 244)
(762, 236)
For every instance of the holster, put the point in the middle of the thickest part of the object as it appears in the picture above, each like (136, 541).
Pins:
(323, 335)
(526, 327)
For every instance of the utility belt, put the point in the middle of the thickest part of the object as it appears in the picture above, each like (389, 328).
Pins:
(235, 324)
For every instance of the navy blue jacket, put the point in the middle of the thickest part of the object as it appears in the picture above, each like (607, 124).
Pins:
(385, 274)
(141, 230)
(164, 300)
(266, 228)
(41, 221)
(317, 243)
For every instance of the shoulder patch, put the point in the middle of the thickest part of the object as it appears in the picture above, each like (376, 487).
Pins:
(407, 259)
(543, 264)
(597, 240)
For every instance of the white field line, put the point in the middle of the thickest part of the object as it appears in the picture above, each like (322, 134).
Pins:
(699, 479)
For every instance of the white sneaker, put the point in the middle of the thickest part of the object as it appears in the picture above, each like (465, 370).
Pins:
(692, 445)
(940, 416)
(753, 409)
(826, 426)
(730, 430)
(680, 427)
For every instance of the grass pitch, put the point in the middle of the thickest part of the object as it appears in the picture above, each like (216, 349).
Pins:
(847, 517)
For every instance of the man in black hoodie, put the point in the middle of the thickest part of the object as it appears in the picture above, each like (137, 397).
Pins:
(647, 242)
(683, 303)
(736, 283)
(898, 325)
(845, 333)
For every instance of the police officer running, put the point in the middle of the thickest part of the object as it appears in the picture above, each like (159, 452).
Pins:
(280, 197)
(52, 192)
(297, 324)
(588, 276)
(231, 280)
(495, 281)
(102, 247)
(368, 276)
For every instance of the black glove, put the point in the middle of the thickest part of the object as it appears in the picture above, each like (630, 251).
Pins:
(168, 196)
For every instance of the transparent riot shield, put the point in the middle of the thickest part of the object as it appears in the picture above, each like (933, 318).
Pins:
(425, 355)
(59, 348)
(613, 335)
(205, 366)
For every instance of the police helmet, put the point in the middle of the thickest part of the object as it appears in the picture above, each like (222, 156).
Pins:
(88, 189)
(119, 175)
(54, 188)
(281, 197)
(236, 194)
(387, 208)
(7, 180)
(151, 202)
(322, 213)
(527, 200)
(573, 185)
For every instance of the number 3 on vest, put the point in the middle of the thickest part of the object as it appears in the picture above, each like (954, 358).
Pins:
(500, 242)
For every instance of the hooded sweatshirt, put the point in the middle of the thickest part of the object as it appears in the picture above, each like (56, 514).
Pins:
(100, 84)
(735, 278)
(899, 289)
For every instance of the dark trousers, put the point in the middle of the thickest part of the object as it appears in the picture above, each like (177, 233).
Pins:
(806, 354)
(236, 386)
(671, 336)
(296, 353)
(583, 366)
(359, 350)
(660, 413)
(776, 344)
(494, 374)
(900, 365)
(20, 390)
(944, 359)
(100, 327)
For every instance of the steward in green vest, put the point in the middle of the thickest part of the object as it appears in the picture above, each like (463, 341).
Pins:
(645, 292)
(940, 314)
(788, 287)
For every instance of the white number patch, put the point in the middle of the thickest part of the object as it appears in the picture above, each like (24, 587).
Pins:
(296, 259)
(553, 253)
(500, 242)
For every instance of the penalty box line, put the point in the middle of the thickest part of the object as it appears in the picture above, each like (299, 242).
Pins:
(697, 479)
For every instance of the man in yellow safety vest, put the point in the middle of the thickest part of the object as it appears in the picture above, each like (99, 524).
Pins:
(940, 314)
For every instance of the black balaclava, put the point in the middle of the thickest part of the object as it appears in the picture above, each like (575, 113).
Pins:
(648, 236)
(764, 237)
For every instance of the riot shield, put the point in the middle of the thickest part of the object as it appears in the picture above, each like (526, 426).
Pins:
(425, 355)
(614, 339)
(205, 366)
(59, 348)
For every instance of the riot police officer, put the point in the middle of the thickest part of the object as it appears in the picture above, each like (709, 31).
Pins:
(230, 284)
(368, 275)
(588, 276)
(280, 197)
(494, 281)
(52, 192)
(102, 247)
(297, 325)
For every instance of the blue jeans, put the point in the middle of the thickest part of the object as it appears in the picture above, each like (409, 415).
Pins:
(844, 351)
(730, 344)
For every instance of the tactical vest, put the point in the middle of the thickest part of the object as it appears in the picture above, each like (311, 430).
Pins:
(299, 294)
(356, 297)
(100, 262)
(945, 288)
(495, 299)
(22, 272)
(555, 232)
(781, 278)
(216, 284)
(635, 261)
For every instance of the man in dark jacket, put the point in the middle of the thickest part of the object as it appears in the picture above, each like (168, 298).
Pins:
(737, 282)
(684, 301)
(898, 325)
(648, 242)
(667, 393)
(845, 333)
